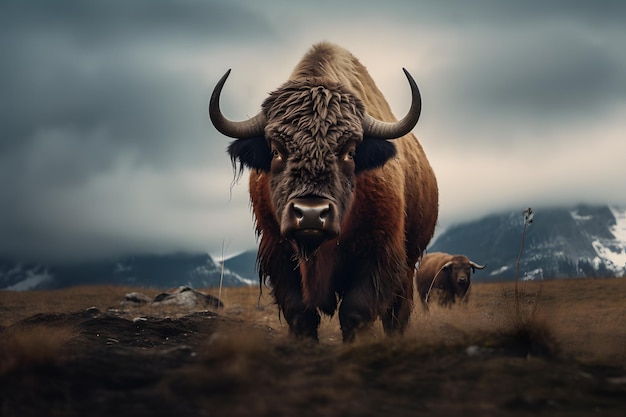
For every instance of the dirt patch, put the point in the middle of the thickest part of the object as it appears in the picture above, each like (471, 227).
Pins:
(239, 361)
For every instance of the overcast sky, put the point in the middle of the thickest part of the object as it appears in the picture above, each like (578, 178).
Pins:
(106, 147)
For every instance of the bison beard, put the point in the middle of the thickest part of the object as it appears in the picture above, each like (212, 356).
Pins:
(342, 213)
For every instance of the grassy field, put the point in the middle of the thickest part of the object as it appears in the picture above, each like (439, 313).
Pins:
(553, 348)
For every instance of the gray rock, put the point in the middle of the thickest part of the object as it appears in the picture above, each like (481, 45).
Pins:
(188, 298)
(137, 297)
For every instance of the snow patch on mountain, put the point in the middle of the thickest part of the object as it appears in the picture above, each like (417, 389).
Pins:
(32, 279)
(561, 242)
(120, 268)
(533, 275)
(578, 217)
(499, 271)
(206, 271)
(613, 251)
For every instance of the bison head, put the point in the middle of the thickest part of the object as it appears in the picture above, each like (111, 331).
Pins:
(312, 137)
(460, 270)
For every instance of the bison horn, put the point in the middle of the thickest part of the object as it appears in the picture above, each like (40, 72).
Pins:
(476, 266)
(393, 130)
(254, 126)
(446, 265)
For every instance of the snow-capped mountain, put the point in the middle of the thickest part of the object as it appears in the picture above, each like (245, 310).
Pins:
(563, 242)
(160, 271)
(581, 241)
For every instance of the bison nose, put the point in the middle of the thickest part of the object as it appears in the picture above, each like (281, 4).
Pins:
(310, 214)
(310, 221)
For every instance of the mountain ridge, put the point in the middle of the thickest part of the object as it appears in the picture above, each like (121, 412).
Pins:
(161, 271)
(561, 242)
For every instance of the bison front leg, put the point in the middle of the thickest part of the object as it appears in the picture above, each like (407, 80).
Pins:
(302, 321)
(356, 313)
(396, 318)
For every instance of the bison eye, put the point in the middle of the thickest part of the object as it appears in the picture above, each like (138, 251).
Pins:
(276, 154)
(348, 155)
(277, 164)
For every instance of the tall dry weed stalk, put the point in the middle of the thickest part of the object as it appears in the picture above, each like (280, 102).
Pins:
(528, 219)
(526, 329)
(219, 294)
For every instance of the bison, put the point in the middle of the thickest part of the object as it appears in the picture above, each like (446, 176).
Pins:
(450, 274)
(344, 199)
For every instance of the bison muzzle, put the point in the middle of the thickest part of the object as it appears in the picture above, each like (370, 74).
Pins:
(310, 221)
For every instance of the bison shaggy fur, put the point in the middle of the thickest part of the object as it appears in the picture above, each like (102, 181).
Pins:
(343, 212)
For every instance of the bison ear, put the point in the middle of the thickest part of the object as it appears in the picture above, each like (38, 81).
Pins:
(253, 153)
(373, 153)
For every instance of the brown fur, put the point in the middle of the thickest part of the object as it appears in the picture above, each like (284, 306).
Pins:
(385, 225)
(445, 280)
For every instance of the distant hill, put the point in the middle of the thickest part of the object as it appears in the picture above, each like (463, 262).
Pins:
(158, 271)
(244, 265)
(563, 242)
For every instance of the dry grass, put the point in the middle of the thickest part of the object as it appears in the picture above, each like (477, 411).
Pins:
(581, 318)
(15, 306)
(24, 346)
(558, 348)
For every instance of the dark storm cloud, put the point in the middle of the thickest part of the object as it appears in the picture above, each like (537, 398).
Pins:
(89, 87)
(609, 12)
(548, 76)
(100, 22)
(543, 62)
(497, 13)
(98, 65)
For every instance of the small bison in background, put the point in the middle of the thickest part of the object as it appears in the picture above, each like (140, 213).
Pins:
(450, 274)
